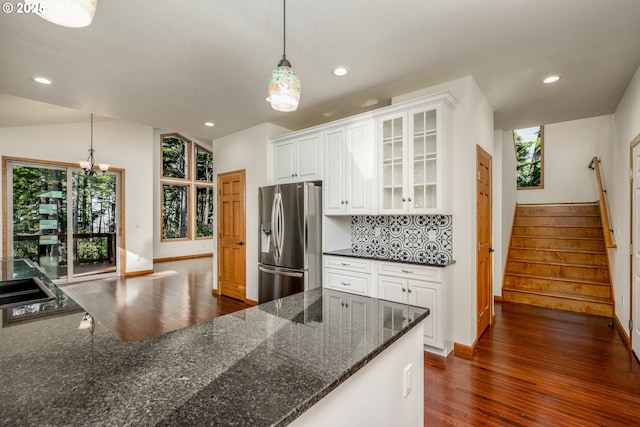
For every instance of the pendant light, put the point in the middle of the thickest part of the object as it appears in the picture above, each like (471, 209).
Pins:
(68, 13)
(284, 83)
(88, 165)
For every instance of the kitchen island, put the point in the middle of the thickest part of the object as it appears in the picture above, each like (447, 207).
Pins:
(297, 360)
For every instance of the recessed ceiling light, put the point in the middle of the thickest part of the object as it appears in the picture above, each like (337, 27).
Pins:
(41, 80)
(551, 79)
(209, 124)
(340, 71)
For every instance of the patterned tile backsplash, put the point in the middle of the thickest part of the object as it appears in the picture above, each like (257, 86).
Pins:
(416, 238)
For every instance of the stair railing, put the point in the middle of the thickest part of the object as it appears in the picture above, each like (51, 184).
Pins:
(607, 231)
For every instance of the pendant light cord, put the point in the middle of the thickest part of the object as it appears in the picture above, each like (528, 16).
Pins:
(284, 28)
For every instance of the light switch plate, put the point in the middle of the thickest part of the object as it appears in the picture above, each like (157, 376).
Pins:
(406, 379)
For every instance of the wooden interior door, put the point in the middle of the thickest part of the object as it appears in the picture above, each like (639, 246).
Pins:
(231, 235)
(484, 236)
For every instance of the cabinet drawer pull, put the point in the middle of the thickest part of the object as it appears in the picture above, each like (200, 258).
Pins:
(407, 271)
(346, 264)
(345, 284)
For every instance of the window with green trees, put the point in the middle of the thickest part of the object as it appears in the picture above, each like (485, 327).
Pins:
(529, 144)
(187, 189)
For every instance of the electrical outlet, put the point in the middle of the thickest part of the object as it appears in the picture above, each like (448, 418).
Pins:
(406, 380)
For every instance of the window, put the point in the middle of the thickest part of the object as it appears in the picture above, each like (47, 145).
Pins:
(186, 184)
(529, 144)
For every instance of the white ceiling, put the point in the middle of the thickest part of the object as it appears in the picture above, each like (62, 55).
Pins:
(175, 65)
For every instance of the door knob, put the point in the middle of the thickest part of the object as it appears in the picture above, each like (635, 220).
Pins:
(240, 243)
(491, 250)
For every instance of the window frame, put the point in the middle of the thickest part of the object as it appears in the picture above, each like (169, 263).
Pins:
(189, 212)
(188, 155)
(536, 187)
(193, 185)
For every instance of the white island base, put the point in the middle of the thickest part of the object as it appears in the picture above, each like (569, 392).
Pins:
(374, 396)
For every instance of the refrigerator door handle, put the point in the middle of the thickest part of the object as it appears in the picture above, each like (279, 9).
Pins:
(281, 273)
(274, 225)
(281, 223)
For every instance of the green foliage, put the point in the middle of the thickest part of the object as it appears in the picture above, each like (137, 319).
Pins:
(175, 211)
(40, 196)
(529, 160)
(174, 157)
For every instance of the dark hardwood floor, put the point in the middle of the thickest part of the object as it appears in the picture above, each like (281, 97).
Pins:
(176, 295)
(537, 367)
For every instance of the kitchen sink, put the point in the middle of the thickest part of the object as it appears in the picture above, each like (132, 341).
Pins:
(18, 292)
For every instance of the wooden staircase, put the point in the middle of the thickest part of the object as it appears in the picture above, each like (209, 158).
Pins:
(557, 259)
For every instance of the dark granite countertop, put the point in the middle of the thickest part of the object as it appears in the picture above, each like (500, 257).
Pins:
(349, 253)
(263, 366)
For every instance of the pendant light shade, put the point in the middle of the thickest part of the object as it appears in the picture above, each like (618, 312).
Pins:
(68, 13)
(284, 83)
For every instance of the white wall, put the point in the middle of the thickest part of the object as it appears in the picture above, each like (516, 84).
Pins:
(248, 150)
(504, 202)
(123, 145)
(568, 149)
(184, 247)
(472, 124)
(625, 127)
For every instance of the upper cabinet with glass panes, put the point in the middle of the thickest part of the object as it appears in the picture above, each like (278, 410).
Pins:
(414, 157)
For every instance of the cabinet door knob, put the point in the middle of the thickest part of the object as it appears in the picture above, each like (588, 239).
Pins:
(410, 199)
(404, 199)
(342, 202)
(409, 290)
(404, 290)
(346, 202)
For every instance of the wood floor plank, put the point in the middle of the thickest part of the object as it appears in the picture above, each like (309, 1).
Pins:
(537, 367)
(177, 295)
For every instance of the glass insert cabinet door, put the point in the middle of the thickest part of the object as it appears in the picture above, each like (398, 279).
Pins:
(393, 131)
(424, 160)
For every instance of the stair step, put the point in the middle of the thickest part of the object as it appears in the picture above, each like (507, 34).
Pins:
(556, 231)
(559, 209)
(562, 301)
(559, 256)
(584, 244)
(555, 284)
(559, 221)
(569, 271)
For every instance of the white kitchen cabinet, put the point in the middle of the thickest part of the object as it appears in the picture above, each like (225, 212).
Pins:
(349, 169)
(341, 309)
(347, 274)
(421, 286)
(298, 159)
(414, 158)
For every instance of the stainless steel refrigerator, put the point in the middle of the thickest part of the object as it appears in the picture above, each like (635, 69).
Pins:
(290, 241)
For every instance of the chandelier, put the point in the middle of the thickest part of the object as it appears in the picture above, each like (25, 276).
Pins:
(89, 165)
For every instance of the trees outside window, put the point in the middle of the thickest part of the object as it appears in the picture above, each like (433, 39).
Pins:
(529, 144)
(186, 189)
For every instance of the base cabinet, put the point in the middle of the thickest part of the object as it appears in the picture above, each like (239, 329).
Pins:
(417, 285)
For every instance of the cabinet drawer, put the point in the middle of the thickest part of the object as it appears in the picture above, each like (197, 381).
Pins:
(410, 271)
(357, 284)
(350, 264)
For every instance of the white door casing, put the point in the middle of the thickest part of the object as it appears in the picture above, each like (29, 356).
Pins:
(635, 264)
